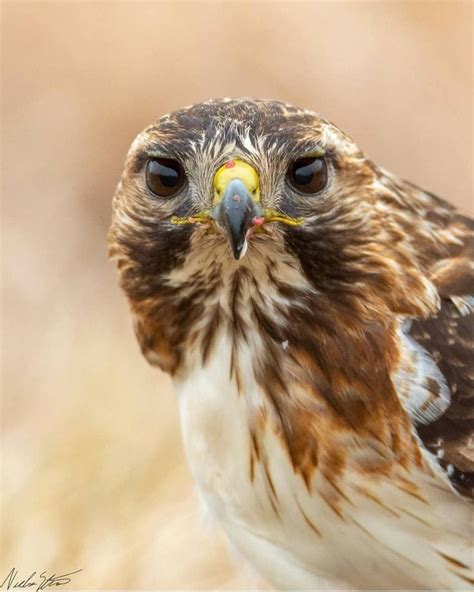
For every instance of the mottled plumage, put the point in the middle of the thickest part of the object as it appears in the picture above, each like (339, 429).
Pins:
(325, 377)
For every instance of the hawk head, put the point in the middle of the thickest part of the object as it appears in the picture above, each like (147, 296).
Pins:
(275, 193)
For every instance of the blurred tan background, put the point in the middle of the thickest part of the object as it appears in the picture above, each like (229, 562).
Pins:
(93, 473)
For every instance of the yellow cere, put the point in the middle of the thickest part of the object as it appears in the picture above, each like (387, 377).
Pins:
(236, 169)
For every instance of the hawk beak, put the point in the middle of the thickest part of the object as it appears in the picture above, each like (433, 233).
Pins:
(236, 203)
(235, 213)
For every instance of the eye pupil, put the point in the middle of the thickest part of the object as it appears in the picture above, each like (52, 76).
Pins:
(308, 175)
(164, 176)
(305, 173)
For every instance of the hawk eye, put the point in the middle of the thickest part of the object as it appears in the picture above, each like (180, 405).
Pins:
(308, 175)
(164, 176)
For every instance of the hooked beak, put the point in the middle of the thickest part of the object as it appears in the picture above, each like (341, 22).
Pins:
(235, 213)
(237, 208)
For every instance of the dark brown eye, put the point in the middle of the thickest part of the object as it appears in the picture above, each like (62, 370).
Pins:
(309, 174)
(164, 176)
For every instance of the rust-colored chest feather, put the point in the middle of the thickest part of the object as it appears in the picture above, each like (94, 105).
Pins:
(324, 374)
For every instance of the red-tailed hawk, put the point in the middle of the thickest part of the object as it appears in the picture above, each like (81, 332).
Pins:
(315, 313)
